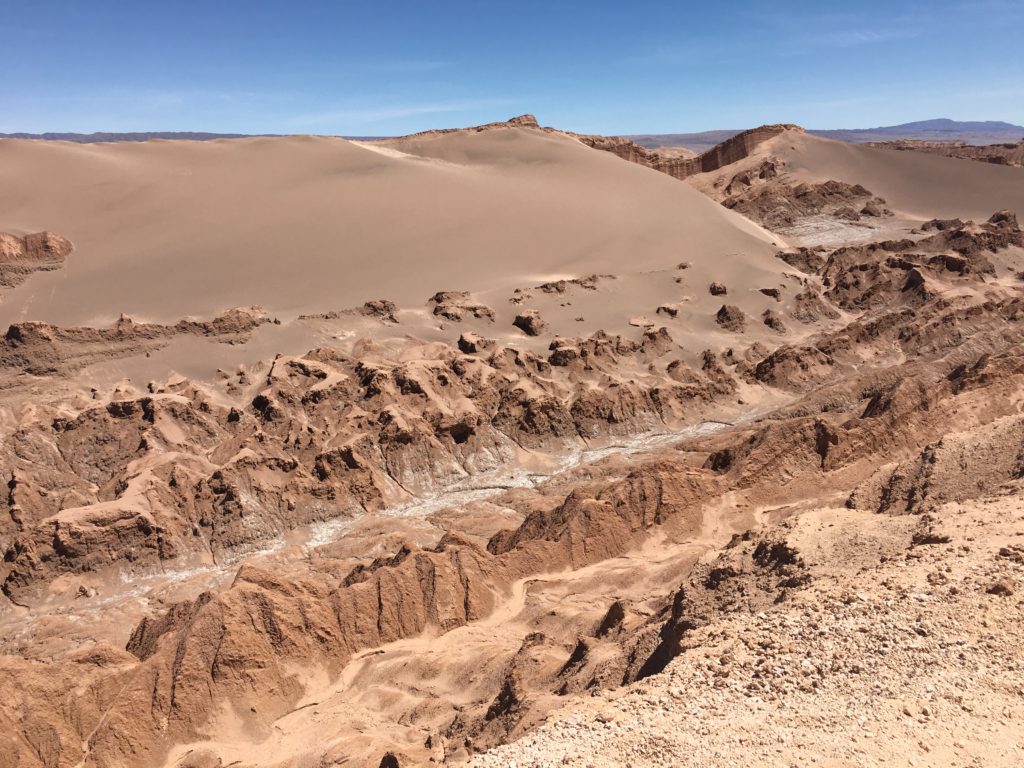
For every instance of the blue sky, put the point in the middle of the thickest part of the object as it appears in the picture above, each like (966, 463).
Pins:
(608, 67)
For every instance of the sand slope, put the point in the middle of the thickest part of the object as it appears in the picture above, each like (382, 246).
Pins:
(917, 185)
(167, 229)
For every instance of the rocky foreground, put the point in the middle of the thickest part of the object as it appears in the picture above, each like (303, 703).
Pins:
(897, 651)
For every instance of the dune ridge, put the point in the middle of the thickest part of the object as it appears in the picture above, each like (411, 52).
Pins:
(303, 224)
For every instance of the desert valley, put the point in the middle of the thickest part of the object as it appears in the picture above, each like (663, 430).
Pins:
(511, 446)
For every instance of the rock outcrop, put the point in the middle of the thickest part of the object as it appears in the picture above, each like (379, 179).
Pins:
(43, 349)
(455, 305)
(323, 436)
(999, 154)
(241, 645)
(729, 151)
(529, 322)
(20, 257)
(731, 318)
(779, 205)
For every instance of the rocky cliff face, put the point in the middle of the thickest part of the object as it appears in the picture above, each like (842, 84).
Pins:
(741, 146)
(730, 151)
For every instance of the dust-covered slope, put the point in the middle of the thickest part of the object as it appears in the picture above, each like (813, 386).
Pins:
(168, 229)
(917, 185)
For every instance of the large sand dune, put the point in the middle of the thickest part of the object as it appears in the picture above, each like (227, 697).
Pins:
(168, 229)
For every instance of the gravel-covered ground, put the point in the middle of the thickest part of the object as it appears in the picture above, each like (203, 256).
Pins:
(915, 659)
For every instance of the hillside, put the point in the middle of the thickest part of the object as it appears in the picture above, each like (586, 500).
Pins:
(298, 225)
(998, 154)
(508, 446)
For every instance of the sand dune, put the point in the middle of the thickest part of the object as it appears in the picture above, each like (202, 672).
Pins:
(168, 229)
(916, 185)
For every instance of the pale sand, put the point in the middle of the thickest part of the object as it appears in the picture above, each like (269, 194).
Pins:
(913, 184)
(165, 229)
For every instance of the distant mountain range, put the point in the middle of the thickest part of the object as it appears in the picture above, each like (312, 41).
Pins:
(96, 138)
(93, 138)
(972, 132)
(942, 129)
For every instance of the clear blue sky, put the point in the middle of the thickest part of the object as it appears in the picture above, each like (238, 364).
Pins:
(375, 68)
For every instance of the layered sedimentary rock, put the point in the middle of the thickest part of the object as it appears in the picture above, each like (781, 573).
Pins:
(43, 349)
(729, 151)
(778, 205)
(962, 362)
(998, 154)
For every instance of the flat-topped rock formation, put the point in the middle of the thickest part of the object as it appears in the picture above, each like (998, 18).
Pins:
(997, 154)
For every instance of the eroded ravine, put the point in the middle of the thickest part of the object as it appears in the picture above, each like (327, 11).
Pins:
(130, 595)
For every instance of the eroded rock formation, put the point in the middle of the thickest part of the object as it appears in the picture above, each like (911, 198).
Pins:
(729, 151)
(999, 154)
(20, 257)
